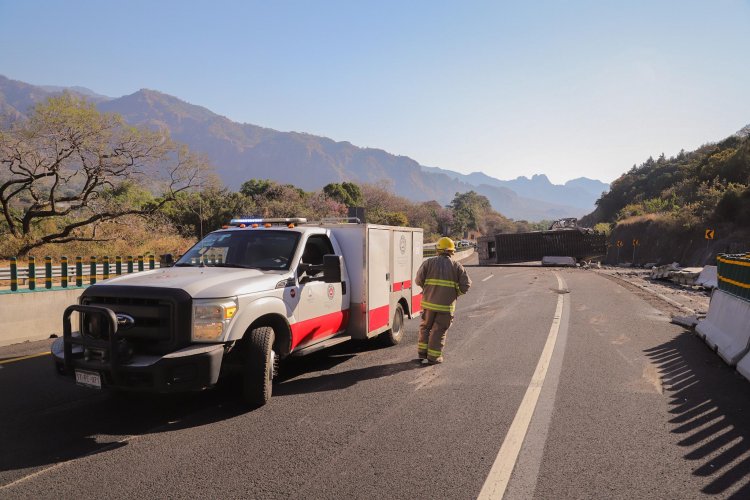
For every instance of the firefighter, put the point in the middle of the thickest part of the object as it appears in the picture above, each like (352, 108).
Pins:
(443, 280)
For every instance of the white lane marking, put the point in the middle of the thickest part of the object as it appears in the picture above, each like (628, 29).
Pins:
(488, 277)
(107, 447)
(497, 480)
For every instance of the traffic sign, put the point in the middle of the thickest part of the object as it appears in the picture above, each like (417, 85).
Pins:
(635, 242)
(619, 243)
(710, 234)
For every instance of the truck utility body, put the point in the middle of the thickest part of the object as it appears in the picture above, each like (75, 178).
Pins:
(243, 298)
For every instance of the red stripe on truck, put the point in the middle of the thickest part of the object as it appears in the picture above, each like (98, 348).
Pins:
(416, 303)
(320, 327)
(401, 285)
(378, 317)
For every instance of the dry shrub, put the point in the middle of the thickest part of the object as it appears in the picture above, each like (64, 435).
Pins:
(638, 219)
(132, 235)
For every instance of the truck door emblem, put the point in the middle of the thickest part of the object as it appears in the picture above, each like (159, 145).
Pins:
(331, 292)
(402, 244)
(125, 321)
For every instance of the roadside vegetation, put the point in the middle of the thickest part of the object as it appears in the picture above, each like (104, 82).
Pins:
(676, 199)
(75, 181)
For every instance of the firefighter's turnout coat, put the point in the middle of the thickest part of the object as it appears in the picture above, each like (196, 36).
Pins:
(443, 280)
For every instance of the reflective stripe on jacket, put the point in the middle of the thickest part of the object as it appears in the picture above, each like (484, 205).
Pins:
(443, 280)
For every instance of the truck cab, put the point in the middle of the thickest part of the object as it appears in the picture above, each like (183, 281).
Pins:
(241, 299)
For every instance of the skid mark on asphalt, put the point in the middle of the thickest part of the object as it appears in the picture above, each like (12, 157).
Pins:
(622, 339)
(651, 375)
(425, 378)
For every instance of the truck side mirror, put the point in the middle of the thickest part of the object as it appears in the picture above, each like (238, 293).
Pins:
(166, 260)
(333, 268)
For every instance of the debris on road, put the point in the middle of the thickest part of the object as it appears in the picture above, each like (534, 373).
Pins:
(686, 321)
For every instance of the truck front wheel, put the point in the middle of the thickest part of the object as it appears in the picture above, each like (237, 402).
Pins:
(258, 369)
(396, 333)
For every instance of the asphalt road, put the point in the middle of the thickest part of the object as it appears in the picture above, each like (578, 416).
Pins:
(629, 406)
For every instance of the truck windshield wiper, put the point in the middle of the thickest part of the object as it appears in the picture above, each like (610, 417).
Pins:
(224, 264)
(184, 264)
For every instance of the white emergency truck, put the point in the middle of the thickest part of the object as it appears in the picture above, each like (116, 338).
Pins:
(243, 298)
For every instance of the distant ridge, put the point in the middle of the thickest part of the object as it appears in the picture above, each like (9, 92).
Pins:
(581, 193)
(243, 151)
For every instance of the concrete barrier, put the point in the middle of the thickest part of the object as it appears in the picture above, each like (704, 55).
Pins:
(708, 277)
(463, 254)
(558, 261)
(726, 328)
(34, 315)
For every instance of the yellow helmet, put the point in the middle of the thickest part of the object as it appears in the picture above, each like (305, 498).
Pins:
(445, 244)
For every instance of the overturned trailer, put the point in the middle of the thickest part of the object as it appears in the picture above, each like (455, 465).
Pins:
(563, 239)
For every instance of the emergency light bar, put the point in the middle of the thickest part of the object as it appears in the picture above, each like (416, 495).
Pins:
(293, 220)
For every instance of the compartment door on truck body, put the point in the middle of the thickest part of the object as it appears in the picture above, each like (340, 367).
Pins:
(401, 264)
(322, 310)
(378, 280)
(418, 257)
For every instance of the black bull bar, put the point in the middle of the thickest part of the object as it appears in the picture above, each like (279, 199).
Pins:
(107, 344)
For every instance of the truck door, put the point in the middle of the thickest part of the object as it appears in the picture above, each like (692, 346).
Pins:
(322, 310)
(378, 280)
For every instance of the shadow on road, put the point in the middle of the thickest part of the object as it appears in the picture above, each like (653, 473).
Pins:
(710, 405)
(341, 380)
(45, 419)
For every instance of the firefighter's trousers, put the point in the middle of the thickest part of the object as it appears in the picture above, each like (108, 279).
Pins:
(432, 333)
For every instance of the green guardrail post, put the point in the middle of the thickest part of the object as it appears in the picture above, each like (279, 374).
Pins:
(118, 265)
(64, 271)
(105, 264)
(151, 264)
(79, 271)
(13, 274)
(32, 273)
(48, 272)
(92, 270)
(140, 263)
(130, 264)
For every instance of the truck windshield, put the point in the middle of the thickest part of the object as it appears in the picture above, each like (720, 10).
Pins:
(253, 249)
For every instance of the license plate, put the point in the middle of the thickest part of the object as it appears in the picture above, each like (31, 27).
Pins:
(89, 379)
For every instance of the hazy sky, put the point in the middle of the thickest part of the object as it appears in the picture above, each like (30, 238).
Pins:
(566, 88)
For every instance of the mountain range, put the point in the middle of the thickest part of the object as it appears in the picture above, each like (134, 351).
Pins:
(241, 151)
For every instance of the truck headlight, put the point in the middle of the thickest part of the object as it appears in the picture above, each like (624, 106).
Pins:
(211, 317)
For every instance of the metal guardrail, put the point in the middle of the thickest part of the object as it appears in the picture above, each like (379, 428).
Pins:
(734, 274)
(25, 278)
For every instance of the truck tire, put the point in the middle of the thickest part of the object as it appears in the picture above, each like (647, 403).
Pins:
(396, 333)
(259, 366)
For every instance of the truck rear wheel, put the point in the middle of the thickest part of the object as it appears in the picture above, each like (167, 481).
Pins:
(396, 333)
(258, 369)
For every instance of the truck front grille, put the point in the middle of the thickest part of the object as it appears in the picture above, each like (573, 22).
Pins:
(161, 321)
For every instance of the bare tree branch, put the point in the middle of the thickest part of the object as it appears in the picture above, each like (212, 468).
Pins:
(69, 168)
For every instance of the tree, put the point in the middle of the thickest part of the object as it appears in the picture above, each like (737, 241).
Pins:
(346, 193)
(469, 210)
(384, 207)
(197, 213)
(69, 168)
(256, 187)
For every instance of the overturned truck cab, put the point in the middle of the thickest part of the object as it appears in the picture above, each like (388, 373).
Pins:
(564, 238)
